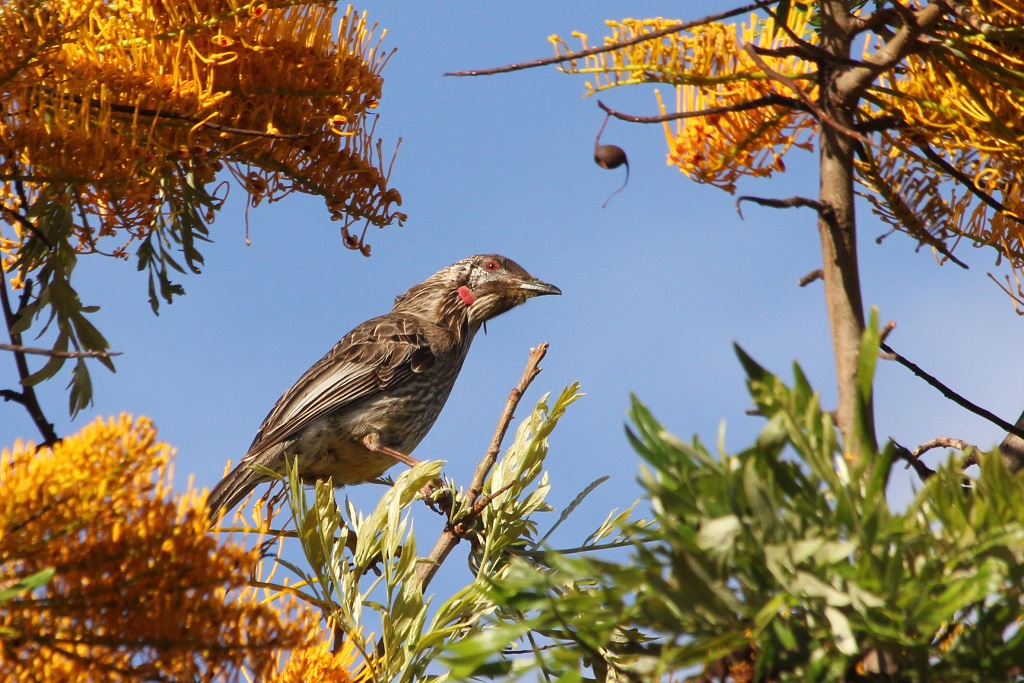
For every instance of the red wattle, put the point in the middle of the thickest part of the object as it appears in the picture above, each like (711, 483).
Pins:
(466, 294)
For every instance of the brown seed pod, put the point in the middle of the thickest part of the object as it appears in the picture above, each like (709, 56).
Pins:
(610, 156)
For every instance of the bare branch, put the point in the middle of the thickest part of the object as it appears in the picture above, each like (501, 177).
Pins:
(812, 276)
(952, 395)
(851, 85)
(53, 353)
(516, 395)
(942, 442)
(877, 123)
(790, 203)
(766, 101)
(873, 22)
(11, 395)
(801, 48)
(966, 181)
(450, 537)
(610, 47)
(887, 330)
(904, 454)
(811, 105)
(26, 223)
(27, 396)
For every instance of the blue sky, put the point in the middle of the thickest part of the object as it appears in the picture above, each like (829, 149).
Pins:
(656, 286)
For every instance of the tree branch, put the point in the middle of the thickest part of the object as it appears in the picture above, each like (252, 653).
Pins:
(904, 454)
(610, 47)
(952, 395)
(802, 48)
(965, 180)
(811, 105)
(851, 85)
(449, 538)
(27, 394)
(53, 353)
(26, 223)
(812, 276)
(156, 113)
(942, 442)
(790, 203)
(766, 101)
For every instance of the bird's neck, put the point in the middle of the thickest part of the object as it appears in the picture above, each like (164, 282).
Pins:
(444, 308)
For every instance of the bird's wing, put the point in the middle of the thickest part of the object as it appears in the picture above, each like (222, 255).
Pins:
(380, 353)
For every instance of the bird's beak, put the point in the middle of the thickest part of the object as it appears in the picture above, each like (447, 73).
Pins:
(538, 288)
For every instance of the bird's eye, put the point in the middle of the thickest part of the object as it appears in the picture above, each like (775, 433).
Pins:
(491, 265)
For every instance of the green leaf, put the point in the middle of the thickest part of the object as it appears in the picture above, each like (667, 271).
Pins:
(864, 414)
(52, 365)
(27, 584)
(717, 535)
(781, 15)
(467, 658)
(842, 634)
(80, 385)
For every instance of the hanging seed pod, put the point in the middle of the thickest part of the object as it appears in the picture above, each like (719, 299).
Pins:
(610, 156)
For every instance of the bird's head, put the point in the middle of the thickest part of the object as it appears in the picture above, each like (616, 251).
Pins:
(473, 290)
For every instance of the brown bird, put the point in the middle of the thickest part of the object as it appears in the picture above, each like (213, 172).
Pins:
(368, 403)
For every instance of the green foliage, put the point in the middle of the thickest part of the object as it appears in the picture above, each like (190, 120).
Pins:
(364, 571)
(781, 562)
(54, 297)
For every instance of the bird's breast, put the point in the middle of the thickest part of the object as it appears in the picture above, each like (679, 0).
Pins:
(400, 416)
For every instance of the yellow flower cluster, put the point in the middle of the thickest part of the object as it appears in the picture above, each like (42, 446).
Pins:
(139, 590)
(126, 110)
(316, 661)
(963, 100)
(710, 70)
(950, 168)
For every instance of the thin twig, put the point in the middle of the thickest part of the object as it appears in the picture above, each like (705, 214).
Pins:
(942, 442)
(851, 84)
(904, 454)
(789, 203)
(53, 353)
(952, 395)
(802, 48)
(484, 468)
(816, 110)
(157, 113)
(609, 47)
(28, 397)
(449, 538)
(966, 181)
(812, 276)
(887, 330)
(766, 101)
(27, 224)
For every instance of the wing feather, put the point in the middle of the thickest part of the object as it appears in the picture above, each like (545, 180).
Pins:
(380, 353)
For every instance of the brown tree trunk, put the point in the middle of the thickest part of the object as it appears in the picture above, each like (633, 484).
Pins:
(837, 225)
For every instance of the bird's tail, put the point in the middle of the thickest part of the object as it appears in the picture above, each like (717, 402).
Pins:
(230, 491)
